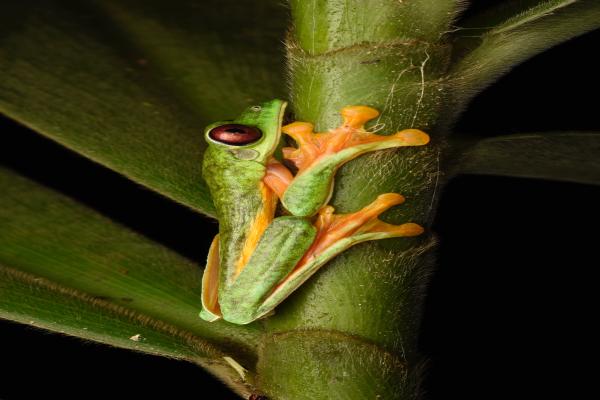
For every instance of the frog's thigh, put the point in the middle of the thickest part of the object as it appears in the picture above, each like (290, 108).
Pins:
(281, 246)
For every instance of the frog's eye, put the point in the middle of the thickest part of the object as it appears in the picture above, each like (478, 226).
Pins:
(235, 134)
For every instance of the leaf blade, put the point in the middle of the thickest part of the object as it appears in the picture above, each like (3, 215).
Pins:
(70, 75)
(50, 236)
(37, 302)
(572, 157)
(511, 41)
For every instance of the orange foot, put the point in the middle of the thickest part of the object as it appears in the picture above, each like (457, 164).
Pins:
(319, 155)
(334, 230)
(336, 233)
(312, 147)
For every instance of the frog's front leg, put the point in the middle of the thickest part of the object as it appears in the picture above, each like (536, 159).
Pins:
(319, 155)
(317, 158)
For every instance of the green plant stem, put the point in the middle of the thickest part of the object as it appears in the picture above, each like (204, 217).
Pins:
(370, 296)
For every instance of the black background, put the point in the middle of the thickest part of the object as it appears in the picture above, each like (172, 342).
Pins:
(509, 310)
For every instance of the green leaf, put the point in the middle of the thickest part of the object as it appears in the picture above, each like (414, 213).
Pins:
(41, 303)
(49, 236)
(573, 157)
(510, 15)
(131, 84)
(38, 302)
(504, 37)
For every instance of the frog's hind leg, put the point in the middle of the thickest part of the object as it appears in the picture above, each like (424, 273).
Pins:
(210, 284)
(336, 233)
(282, 245)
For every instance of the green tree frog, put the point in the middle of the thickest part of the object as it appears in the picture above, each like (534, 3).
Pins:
(258, 259)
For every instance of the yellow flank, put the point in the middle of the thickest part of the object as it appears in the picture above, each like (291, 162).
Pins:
(258, 226)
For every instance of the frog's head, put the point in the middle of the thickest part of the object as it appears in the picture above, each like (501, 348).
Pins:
(254, 135)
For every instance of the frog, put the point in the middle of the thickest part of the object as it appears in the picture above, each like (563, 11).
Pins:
(276, 228)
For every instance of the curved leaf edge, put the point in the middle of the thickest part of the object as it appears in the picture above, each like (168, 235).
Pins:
(77, 314)
(561, 156)
(207, 210)
(483, 55)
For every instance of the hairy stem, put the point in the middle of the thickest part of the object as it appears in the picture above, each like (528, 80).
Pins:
(342, 53)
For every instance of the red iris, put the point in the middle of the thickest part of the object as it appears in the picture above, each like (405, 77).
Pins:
(235, 134)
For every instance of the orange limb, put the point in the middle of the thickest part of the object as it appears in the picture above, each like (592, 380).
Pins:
(363, 225)
(312, 146)
(277, 177)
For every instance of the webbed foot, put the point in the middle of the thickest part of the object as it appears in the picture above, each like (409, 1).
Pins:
(319, 155)
(338, 232)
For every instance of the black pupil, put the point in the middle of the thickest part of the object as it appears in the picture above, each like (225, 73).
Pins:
(235, 130)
